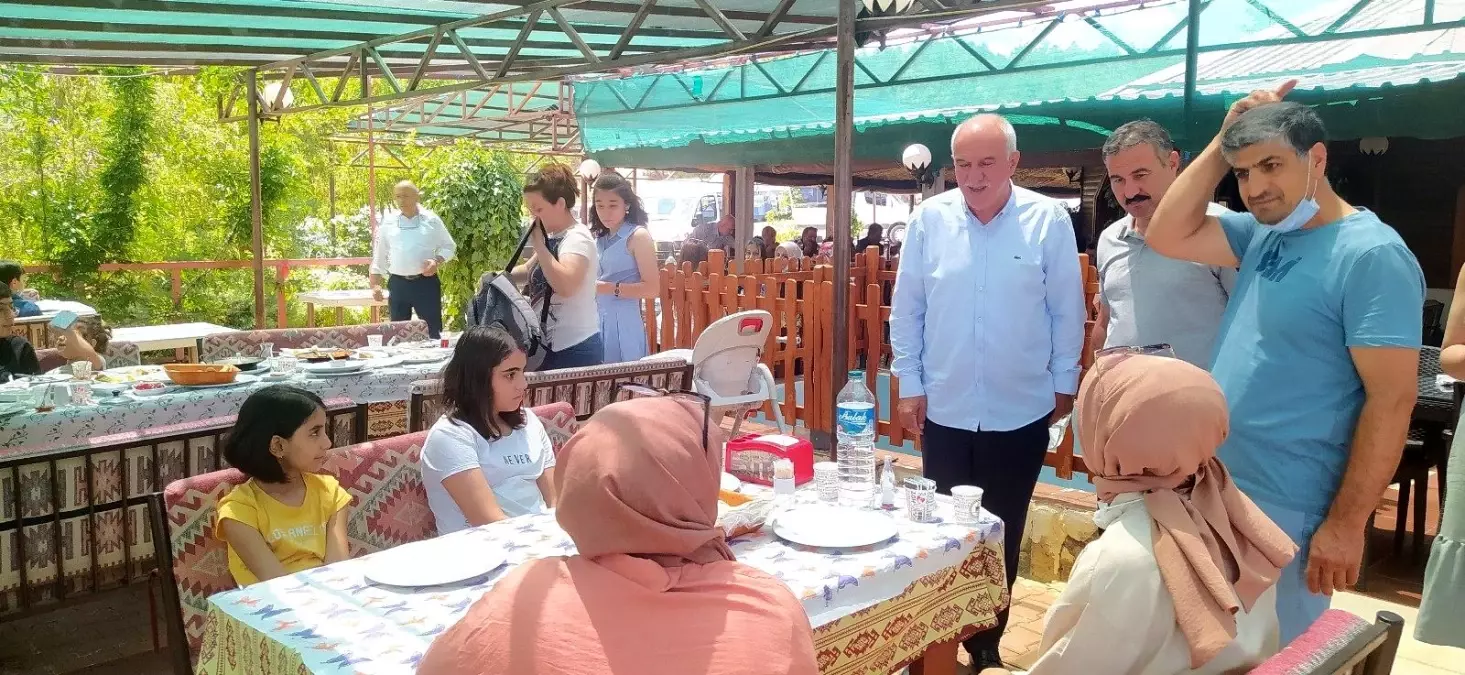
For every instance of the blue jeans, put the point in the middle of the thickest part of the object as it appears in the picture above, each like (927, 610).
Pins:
(589, 352)
(1297, 608)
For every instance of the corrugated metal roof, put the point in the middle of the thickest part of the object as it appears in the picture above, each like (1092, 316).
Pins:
(1371, 62)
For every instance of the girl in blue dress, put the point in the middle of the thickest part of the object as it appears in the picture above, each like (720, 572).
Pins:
(628, 271)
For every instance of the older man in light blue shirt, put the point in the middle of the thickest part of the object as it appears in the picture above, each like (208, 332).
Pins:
(986, 325)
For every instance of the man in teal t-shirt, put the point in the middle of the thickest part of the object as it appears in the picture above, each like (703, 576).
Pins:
(1318, 350)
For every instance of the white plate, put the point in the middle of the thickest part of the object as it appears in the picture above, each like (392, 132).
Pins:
(426, 355)
(731, 482)
(333, 367)
(432, 563)
(241, 378)
(148, 393)
(834, 526)
(330, 374)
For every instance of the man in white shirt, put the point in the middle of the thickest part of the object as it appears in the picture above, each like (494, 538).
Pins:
(986, 326)
(410, 246)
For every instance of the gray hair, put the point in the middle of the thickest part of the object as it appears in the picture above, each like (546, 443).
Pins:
(1136, 133)
(1002, 123)
(1296, 125)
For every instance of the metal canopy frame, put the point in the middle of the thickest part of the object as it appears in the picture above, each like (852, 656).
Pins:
(518, 116)
(555, 39)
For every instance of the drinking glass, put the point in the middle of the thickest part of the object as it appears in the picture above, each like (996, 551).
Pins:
(826, 480)
(373, 340)
(920, 498)
(81, 370)
(968, 501)
(80, 392)
(267, 350)
(287, 365)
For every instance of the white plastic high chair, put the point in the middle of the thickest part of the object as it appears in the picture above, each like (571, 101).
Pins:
(727, 365)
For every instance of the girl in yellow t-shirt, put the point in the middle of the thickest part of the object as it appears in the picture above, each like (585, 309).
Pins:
(287, 517)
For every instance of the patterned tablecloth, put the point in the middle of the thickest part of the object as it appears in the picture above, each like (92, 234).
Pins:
(874, 608)
(73, 425)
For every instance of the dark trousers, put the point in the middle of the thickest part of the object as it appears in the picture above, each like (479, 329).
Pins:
(589, 352)
(1005, 464)
(423, 294)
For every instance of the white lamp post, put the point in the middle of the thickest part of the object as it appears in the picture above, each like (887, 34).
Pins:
(589, 170)
(917, 159)
(272, 92)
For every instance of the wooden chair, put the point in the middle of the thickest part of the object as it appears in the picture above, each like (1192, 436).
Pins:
(1340, 642)
(388, 508)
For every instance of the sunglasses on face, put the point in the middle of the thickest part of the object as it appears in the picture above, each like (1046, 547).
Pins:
(642, 391)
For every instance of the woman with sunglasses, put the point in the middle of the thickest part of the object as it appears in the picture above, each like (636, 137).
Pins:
(653, 588)
(487, 458)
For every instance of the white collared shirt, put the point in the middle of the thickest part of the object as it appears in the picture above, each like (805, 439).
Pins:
(403, 245)
(987, 320)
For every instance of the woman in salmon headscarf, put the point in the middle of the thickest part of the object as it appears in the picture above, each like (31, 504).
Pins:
(1183, 578)
(654, 589)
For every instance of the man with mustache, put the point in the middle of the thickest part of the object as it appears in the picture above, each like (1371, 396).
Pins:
(986, 325)
(1147, 298)
(1318, 352)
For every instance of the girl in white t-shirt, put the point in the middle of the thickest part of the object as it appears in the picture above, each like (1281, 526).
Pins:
(487, 458)
(563, 267)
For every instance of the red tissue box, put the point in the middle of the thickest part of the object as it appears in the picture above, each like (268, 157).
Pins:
(751, 457)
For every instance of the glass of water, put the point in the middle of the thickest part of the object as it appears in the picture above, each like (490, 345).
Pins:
(81, 370)
(373, 340)
(287, 365)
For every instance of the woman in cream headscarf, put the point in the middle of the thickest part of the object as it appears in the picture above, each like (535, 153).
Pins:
(654, 589)
(1183, 578)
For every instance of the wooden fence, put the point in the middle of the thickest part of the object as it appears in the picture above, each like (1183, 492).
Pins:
(800, 296)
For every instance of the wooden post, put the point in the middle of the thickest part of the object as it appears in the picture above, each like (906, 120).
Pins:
(839, 203)
(282, 275)
(256, 212)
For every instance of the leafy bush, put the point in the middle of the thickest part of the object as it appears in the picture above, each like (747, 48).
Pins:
(479, 195)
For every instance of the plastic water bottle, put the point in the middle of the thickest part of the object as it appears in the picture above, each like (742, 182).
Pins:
(855, 431)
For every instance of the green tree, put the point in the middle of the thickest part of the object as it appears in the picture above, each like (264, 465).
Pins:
(479, 195)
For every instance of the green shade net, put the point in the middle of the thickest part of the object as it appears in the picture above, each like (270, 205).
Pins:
(1076, 78)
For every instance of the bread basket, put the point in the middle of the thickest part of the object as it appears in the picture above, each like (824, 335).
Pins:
(195, 374)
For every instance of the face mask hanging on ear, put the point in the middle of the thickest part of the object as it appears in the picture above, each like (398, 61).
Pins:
(1306, 209)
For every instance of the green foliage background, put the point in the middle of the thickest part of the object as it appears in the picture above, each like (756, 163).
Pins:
(130, 166)
(479, 196)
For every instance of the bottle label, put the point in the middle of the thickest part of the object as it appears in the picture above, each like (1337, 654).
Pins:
(856, 420)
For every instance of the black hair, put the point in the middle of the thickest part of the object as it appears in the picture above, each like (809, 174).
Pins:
(277, 410)
(10, 271)
(635, 212)
(468, 379)
(1292, 123)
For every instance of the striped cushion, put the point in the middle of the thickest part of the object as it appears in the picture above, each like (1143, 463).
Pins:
(1327, 636)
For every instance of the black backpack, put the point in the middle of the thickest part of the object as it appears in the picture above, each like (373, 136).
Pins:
(499, 302)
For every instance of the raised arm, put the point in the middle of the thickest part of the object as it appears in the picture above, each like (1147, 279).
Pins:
(565, 272)
(1180, 227)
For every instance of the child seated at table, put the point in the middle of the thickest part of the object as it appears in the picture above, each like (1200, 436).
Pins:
(288, 516)
(12, 277)
(487, 458)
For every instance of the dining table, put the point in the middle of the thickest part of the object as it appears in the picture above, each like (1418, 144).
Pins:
(873, 609)
(380, 380)
(340, 300)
